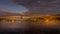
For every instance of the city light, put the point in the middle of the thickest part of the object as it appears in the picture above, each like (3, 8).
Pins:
(36, 18)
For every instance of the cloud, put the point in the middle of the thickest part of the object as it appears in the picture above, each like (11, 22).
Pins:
(3, 8)
(40, 6)
(5, 11)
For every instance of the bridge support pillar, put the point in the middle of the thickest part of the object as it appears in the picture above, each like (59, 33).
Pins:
(12, 20)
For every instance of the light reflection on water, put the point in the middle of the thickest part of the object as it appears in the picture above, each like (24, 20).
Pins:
(27, 24)
(14, 25)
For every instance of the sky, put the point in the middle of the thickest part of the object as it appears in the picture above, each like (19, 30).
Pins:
(40, 6)
(31, 6)
(11, 7)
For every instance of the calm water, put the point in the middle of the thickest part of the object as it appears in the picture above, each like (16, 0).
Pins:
(25, 25)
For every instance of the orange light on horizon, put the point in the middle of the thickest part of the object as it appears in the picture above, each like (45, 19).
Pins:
(46, 20)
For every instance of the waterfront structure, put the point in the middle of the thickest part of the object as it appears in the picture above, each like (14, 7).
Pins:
(13, 18)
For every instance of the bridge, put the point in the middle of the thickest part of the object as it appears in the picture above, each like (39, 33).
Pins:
(13, 18)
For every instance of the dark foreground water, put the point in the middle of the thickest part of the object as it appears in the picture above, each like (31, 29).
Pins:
(29, 28)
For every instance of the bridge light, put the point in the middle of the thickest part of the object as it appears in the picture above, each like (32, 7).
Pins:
(46, 20)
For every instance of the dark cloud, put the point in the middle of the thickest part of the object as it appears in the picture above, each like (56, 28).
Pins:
(40, 6)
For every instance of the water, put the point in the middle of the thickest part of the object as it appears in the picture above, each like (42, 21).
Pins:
(14, 25)
(27, 25)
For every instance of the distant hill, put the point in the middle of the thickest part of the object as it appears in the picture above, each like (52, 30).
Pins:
(3, 13)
